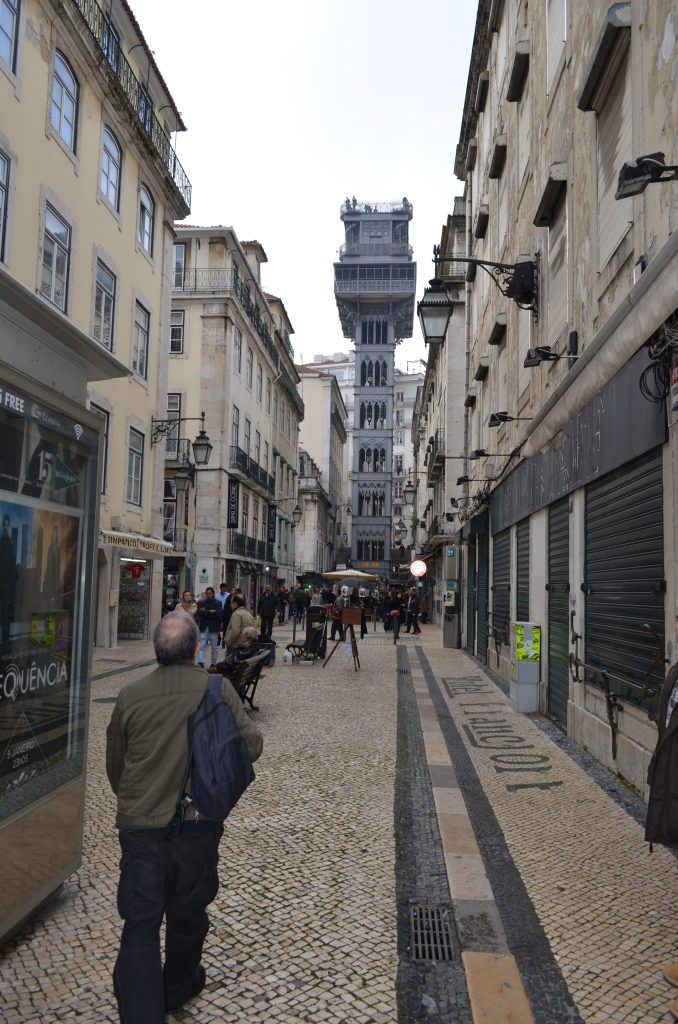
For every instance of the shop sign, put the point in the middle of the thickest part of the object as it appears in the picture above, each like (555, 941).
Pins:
(135, 541)
(272, 516)
(233, 503)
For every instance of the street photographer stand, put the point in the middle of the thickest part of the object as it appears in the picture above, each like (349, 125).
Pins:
(350, 617)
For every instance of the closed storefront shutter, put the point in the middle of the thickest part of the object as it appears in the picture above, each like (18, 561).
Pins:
(501, 587)
(471, 597)
(483, 593)
(558, 588)
(523, 571)
(624, 572)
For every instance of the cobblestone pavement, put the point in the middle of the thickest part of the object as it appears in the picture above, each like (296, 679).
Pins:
(304, 927)
(556, 912)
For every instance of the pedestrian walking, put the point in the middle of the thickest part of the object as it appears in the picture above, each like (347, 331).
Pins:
(412, 620)
(337, 624)
(188, 604)
(396, 611)
(175, 878)
(268, 606)
(299, 604)
(209, 617)
(282, 604)
(661, 823)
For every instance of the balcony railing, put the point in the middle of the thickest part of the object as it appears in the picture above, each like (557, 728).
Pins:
(375, 249)
(134, 94)
(436, 458)
(399, 206)
(237, 542)
(249, 467)
(255, 317)
(380, 286)
(209, 279)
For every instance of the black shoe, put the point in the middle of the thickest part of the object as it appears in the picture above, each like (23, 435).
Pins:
(198, 985)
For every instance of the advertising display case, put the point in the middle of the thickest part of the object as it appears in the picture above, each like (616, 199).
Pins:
(48, 503)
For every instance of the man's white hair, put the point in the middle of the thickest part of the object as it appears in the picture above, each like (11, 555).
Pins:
(251, 631)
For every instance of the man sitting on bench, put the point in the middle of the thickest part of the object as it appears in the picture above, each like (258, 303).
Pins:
(249, 647)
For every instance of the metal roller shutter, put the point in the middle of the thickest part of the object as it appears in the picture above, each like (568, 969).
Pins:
(523, 571)
(558, 588)
(624, 571)
(483, 593)
(471, 597)
(501, 587)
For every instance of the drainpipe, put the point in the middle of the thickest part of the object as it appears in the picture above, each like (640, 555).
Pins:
(467, 319)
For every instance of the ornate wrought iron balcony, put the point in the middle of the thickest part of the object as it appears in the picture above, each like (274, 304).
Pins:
(134, 94)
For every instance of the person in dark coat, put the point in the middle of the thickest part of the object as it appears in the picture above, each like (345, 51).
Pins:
(209, 617)
(268, 608)
(661, 823)
(396, 613)
(412, 622)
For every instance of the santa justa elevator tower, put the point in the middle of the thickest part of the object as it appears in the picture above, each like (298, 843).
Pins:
(374, 285)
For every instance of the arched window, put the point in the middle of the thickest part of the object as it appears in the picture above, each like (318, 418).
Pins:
(370, 373)
(383, 372)
(146, 219)
(383, 413)
(64, 109)
(363, 372)
(377, 373)
(111, 164)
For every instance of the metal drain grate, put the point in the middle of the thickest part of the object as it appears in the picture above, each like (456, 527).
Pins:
(431, 932)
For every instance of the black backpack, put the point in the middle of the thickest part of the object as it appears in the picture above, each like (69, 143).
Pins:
(218, 766)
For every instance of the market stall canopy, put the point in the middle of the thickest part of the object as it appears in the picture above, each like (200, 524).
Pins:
(349, 574)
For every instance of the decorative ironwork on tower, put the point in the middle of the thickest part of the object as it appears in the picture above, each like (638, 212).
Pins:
(375, 281)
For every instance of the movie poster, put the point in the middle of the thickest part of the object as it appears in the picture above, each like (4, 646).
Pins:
(43, 463)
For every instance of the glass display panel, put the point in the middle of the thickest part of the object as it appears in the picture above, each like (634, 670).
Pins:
(48, 465)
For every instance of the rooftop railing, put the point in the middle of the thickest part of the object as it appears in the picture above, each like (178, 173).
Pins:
(375, 249)
(398, 206)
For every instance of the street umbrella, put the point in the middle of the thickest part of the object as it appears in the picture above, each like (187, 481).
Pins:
(350, 577)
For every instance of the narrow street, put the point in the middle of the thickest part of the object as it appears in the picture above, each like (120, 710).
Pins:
(527, 857)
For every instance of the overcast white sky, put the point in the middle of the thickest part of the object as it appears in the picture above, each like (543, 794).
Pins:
(290, 107)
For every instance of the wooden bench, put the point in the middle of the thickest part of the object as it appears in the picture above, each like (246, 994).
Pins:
(246, 677)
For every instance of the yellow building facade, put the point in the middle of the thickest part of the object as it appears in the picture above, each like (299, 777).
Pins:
(89, 189)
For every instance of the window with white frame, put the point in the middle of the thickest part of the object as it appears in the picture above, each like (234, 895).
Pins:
(237, 349)
(56, 252)
(275, 408)
(399, 418)
(557, 271)
(257, 447)
(105, 438)
(264, 521)
(177, 327)
(289, 425)
(111, 166)
(556, 34)
(400, 397)
(260, 382)
(135, 466)
(9, 31)
(397, 490)
(613, 109)
(4, 200)
(173, 415)
(266, 456)
(146, 219)
(235, 427)
(398, 465)
(249, 371)
(268, 394)
(282, 416)
(104, 304)
(248, 435)
(64, 105)
(142, 322)
(255, 517)
(179, 265)
(399, 437)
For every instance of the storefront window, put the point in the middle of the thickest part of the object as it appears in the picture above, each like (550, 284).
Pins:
(48, 466)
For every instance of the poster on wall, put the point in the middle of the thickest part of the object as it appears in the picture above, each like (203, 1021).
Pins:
(43, 482)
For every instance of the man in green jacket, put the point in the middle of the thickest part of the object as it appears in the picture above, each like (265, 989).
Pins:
(175, 878)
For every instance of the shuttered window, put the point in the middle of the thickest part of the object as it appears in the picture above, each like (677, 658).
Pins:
(501, 587)
(523, 571)
(614, 149)
(556, 33)
(557, 295)
(624, 571)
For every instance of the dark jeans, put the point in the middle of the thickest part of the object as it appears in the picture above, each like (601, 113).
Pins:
(337, 627)
(396, 626)
(266, 625)
(174, 878)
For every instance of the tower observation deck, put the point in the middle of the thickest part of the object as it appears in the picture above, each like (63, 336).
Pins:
(375, 281)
